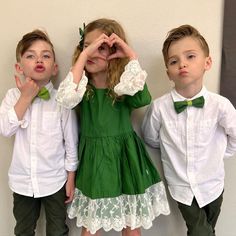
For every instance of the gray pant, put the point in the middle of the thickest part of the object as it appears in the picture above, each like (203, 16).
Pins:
(26, 211)
(201, 221)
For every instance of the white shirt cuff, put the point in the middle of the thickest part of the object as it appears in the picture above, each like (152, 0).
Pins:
(13, 119)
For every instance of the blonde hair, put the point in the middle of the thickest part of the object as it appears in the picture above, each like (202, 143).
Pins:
(180, 33)
(116, 66)
(28, 39)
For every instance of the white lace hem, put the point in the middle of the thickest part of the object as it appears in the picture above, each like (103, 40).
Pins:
(132, 80)
(117, 213)
(70, 94)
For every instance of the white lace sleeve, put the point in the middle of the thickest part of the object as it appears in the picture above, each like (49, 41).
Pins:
(132, 79)
(70, 94)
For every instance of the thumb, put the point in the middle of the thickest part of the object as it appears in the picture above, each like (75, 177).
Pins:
(113, 56)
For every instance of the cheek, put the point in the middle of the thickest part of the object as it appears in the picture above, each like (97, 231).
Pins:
(170, 73)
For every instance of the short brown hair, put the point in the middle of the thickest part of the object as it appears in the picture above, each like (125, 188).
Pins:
(28, 39)
(180, 33)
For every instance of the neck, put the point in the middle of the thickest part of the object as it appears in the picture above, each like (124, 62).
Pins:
(188, 93)
(99, 80)
(41, 84)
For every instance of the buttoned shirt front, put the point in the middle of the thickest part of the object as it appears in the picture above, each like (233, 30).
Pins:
(45, 145)
(193, 144)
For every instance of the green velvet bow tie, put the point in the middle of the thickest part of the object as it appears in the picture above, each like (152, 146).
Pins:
(43, 94)
(181, 106)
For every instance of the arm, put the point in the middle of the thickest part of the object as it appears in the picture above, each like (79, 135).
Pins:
(227, 121)
(15, 105)
(132, 79)
(72, 89)
(29, 89)
(70, 130)
(151, 127)
(139, 99)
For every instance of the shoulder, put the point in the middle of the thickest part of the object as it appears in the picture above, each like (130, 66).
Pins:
(217, 99)
(13, 92)
(163, 100)
(219, 105)
(161, 105)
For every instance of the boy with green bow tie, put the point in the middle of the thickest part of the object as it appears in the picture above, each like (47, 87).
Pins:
(45, 150)
(195, 129)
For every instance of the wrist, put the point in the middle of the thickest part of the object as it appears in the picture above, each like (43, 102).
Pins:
(133, 57)
(26, 99)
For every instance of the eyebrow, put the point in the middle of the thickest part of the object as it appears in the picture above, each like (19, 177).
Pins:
(33, 51)
(185, 52)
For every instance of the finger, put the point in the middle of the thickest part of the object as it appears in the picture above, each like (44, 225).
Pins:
(28, 79)
(113, 56)
(69, 197)
(99, 55)
(18, 82)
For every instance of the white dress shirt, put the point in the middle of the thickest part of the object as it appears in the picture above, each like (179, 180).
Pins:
(193, 144)
(45, 146)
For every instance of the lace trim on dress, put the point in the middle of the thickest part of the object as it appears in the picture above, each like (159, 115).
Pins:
(132, 80)
(119, 212)
(70, 94)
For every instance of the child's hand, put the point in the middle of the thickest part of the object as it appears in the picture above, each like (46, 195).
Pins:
(98, 48)
(70, 190)
(29, 89)
(121, 48)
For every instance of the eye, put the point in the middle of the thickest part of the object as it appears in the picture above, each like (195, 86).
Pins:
(29, 56)
(85, 45)
(191, 56)
(172, 62)
(47, 56)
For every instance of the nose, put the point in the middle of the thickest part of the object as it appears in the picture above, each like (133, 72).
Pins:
(182, 64)
(39, 60)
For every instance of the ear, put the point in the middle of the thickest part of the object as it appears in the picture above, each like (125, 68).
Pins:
(208, 63)
(55, 69)
(19, 68)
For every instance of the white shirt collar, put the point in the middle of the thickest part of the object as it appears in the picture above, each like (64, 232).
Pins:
(177, 97)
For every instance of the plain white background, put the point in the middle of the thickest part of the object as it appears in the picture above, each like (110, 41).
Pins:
(146, 24)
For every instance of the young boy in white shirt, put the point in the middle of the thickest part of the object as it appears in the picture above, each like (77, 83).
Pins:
(44, 158)
(195, 129)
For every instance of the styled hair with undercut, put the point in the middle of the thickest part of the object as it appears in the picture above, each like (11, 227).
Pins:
(181, 32)
(28, 39)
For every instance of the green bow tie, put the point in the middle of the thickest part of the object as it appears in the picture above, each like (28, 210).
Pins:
(43, 94)
(181, 106)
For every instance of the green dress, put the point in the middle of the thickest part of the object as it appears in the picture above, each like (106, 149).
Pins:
(117, 184)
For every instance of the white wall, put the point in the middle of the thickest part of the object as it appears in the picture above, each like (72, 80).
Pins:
(146, 24)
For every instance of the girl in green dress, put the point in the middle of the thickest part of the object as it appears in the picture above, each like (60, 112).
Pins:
(117, 185)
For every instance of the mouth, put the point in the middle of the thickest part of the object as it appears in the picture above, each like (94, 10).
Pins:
(183, 73)
(39, 68)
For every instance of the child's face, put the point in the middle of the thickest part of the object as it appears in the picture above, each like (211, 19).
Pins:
(187, 63)
(96, 64)
(38, 62)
